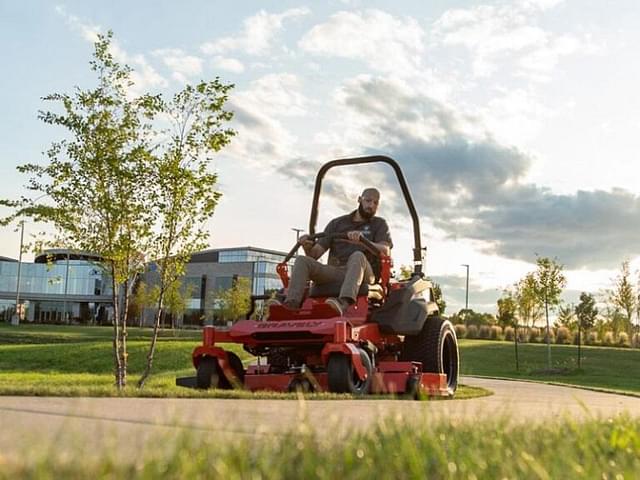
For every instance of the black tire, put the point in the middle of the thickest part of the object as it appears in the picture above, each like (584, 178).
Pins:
(208, 373)
(238, 369)
(436, 346)
(342, 376)
(301, 385)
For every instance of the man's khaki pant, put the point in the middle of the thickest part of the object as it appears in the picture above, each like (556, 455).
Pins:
(351, 275)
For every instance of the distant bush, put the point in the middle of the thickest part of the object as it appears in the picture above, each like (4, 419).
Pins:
(635, 340)
(608, 338)
(534, 335)
(509, 334)
(496, 332)
(563, 336)
(552, 336)
(461, 330)
(592, 338)
(523, 335)
(485, 332)
(623, 339)
(472, 331)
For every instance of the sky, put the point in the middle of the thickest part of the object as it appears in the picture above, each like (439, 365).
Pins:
(516, 123)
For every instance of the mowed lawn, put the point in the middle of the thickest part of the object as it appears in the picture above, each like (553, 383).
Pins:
(78, 361)
(606, 368)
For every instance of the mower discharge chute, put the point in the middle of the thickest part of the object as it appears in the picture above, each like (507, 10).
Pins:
(392, 340)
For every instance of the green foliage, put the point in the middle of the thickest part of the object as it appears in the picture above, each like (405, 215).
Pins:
(528, 303)
(232, 303)
(507, 309)
(586, 311)
(623, 297)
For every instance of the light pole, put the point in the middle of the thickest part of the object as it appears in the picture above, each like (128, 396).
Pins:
(466, 295)
(15, 319)
(297, 230)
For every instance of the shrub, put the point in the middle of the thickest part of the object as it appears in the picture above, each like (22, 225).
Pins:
(485, 332)
(496, 333)
(534, 335)
(607, 339)
(563, 336)
(592, 338)
(623, 339)
(523, 335)
(461, 330)
(472, 331)
(552, 335)
(509, 334)
(635, 340)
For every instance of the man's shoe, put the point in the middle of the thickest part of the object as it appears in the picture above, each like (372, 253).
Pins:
(338, 304)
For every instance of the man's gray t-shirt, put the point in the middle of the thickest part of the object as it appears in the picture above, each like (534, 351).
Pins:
(375, 229)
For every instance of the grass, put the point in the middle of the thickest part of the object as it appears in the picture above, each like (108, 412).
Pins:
(49, 360)
(419, 447)
(602, 368)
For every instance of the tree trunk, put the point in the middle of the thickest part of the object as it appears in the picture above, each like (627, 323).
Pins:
(116, 330)
(154, 339)
(579, 344)
(515, 341)
(123, 333)
(546, 312)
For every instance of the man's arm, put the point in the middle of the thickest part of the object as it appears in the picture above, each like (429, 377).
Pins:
(383, 247)
(311, 249)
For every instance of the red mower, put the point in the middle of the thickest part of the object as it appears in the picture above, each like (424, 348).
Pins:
(392, 340)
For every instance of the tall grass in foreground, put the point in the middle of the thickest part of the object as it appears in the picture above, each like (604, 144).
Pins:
(395, 449)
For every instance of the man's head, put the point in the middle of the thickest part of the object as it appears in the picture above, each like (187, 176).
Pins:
(368, 203)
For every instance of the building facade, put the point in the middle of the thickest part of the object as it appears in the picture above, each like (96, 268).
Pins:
(60, 286)
(63, 286)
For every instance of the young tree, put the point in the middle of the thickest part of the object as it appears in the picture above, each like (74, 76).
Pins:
(507, 316)
(527, 301)
(232, 303)
(185, 193)
(95, 182)
(549, 284)
(586, 313)
(623, 297)
(567, 317)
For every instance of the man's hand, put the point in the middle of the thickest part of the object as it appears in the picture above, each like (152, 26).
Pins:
(354, 236)
(306, 243)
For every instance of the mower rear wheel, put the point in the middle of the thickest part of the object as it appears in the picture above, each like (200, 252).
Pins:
(208, 373)
(342, 376)
(436, 346)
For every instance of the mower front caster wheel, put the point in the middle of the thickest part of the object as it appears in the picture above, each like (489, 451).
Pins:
(342, 375)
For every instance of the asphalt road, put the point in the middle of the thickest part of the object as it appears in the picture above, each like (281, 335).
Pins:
(93, 423)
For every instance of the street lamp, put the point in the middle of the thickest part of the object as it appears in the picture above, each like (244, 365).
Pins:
(297, 230)
(15, 319)
(466, 296)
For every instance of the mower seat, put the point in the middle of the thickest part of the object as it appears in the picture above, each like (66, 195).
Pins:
(373, 291)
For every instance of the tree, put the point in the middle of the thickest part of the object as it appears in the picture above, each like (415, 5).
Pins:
(185, 193)
(527, 301)
(623, 298)
(586, 313)
(232, 303)
(549, 284)
(567, 317)
(95, 182)
(507, 309)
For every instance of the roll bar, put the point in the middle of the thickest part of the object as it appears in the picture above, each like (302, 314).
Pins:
(417, 248)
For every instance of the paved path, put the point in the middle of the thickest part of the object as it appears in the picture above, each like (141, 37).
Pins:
(94, 422)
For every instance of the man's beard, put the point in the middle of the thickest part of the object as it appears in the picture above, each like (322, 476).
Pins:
(363, 213)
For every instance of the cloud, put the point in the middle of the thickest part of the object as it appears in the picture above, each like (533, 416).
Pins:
(471, 186)
(384, 42)
(507, 37)
(232, 65)
(257, 33)
(181, 64)
(144, 76)
(263, 139)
